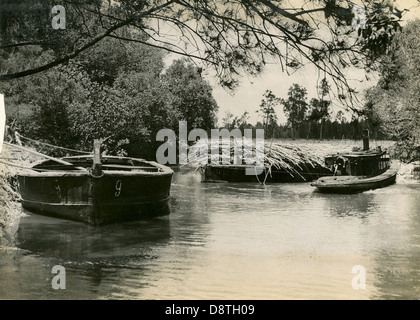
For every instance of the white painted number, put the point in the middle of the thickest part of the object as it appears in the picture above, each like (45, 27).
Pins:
(118, 187)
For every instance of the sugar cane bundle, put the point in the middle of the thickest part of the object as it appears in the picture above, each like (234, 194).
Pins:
(277, 156)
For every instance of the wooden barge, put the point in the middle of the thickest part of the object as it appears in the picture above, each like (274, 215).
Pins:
(282, 163)
(237, 173)
(96, 190)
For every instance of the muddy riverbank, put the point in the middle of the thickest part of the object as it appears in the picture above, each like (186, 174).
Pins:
(10, 207)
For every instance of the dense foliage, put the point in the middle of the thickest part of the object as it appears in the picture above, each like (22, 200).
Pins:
(295, 107)
(232, 36)
(393, 105)
(122, 95)
(268, 113)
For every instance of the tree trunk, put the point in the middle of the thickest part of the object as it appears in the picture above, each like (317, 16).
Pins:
(309, 130)
(320, 131)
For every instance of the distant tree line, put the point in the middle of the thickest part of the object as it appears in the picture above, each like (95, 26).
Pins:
(331, 129)
(305, 120)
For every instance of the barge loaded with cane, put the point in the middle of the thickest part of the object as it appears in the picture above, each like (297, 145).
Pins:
(282, 163)
(358, 171)
(96, 189)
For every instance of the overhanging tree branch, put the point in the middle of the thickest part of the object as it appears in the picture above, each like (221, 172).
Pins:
(23, 44)
(65, 58)
(88, 45)
(231, 35)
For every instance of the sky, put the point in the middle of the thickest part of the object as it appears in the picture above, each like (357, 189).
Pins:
(248, 96)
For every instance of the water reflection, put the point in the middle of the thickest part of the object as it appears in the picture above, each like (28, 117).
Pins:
(95, 258)
(397, 258)
(348, 205)
(229, 241)
(63, 239)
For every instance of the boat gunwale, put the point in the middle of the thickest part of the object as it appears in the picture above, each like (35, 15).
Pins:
(242, 166)
(340, 182)
(358, 154)
(32, 171)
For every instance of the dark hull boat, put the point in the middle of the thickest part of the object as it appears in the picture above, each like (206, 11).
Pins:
(236, 173)
(112, 189)
(282, 164)
(358, 171)
(355, 184)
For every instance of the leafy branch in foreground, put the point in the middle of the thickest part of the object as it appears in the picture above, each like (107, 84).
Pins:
(393, 105)
(233, 36)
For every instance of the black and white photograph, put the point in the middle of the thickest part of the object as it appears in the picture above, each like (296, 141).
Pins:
(217, 151)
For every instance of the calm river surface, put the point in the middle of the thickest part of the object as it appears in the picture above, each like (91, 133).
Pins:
(229, 241)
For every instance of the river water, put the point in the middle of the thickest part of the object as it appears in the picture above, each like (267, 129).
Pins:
(229, 241)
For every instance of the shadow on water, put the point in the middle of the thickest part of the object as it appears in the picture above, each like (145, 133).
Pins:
(96, 259)
(69, 240)
(99, 262)
(121, 260)
(359, 205)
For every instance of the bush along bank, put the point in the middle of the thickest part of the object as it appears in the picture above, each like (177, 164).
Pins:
(10, 208)
(405, 152)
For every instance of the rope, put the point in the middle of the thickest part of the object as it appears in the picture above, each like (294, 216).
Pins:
(15, 165)
(42, 155)
(53, 146)
(27, 168)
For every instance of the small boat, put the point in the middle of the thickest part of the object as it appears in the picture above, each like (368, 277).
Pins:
(96, 189)
(357, 171)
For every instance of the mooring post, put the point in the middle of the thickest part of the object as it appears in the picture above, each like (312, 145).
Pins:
(365, 139)
(97, 165)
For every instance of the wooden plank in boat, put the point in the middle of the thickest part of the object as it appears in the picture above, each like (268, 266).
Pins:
(117, 166)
